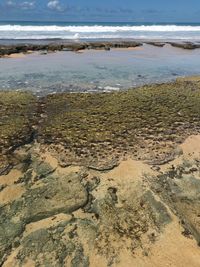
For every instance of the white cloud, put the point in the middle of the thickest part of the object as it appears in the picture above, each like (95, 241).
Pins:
(10, 3)
(26, 5)
(55, 5)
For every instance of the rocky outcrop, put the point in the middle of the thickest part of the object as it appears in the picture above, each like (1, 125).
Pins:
(180, 188)
(157, 44)
(71, 216)
(6, 50)
(64, 46)
(80, 194)
(185, 45)
(47, 193)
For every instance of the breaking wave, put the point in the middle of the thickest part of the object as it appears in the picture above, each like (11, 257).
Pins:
(99, 31)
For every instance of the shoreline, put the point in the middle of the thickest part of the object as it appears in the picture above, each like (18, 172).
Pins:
(184, 78)
(74, 46)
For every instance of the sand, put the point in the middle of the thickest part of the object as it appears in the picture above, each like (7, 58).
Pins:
(16, 55)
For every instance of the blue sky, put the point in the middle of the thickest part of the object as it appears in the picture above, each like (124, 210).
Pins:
(101, 10)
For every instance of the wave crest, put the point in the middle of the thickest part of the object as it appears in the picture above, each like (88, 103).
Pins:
(100, 29)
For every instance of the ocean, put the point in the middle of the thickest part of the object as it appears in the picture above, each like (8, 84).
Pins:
(84, 31)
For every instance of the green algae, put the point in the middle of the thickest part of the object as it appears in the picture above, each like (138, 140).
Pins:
(141, 122)
(17, 110)
(126, 121)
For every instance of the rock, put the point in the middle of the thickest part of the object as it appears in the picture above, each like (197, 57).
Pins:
(92, 184)
(178, 151)
(112, 191)
(2, 187)
(193, 169)
(47, 244)
(9, 230)
(187, 45)
(161, 217)
(58, 194)
(104, 165)
(155, 168)
(5, 170)
(22, 159)
(66, 46)
(45, 52)
(182, 196)
(79, 259)
(42, 169)
(22, 156)
(158, 44)
(107, 48)
(106, 211)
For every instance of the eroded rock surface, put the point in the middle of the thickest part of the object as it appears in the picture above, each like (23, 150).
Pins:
(107, 180)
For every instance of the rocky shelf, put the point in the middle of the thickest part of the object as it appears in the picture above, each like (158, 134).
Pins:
(88, 178)
(9, 49)
(93, 129)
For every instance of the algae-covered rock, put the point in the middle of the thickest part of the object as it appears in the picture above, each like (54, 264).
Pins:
(55, 194)
(17, 116)
(180, 188)
(76, 166)
(98, 130)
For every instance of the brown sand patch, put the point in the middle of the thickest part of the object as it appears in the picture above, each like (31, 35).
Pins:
(16, 55)
(68, 170)
(47, 157)
(172, 249)
(191, 146)
(128, 48)
(128, 169)
(129, 174)
(29, 263)
(12, 259)
(11, 178)
(11, 193)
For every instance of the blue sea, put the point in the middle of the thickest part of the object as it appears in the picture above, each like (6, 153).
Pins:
(10, 30)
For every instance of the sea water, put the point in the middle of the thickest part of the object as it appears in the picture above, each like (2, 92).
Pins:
(97, 71)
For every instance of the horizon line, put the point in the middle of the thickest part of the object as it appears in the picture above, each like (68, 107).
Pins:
(74, 21)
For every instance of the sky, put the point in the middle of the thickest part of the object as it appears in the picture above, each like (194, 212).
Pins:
(101, 10)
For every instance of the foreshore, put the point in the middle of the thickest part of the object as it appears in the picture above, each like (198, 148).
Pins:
(21, 46)
(103, 179)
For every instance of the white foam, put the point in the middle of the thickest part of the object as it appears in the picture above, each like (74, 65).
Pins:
(97, 31)
(111, 88)
(98, 28)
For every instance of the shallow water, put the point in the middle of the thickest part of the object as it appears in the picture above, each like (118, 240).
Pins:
(97, 70)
